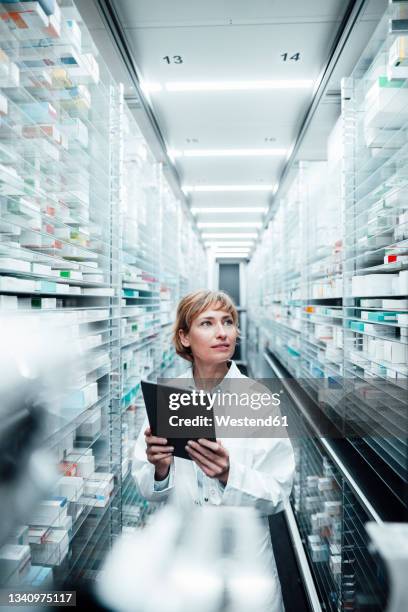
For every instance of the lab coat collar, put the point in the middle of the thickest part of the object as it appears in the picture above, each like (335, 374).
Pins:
(233, 372)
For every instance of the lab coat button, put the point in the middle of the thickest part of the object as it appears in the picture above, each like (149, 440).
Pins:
(206, 499)
(212, 491)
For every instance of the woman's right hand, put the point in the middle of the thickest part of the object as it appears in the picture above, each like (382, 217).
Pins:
(158, 454)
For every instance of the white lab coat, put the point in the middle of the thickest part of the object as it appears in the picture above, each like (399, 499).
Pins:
(261, 474)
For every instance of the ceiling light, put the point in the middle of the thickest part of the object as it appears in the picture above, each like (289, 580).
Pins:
(231, 235)
(234, 244)
(228, 209)
(228, 153)
(232, 255)
(236, 250)
(232, 248)
(179, 86)
(233, 224)
(197, 188)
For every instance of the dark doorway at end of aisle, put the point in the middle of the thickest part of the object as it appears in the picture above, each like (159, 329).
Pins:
(228, 281)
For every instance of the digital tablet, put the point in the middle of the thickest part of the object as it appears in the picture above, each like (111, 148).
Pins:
(170, 411)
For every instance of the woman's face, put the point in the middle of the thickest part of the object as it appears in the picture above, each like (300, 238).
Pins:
(212, 336)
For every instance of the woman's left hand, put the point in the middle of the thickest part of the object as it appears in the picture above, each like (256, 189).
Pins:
(211, 457)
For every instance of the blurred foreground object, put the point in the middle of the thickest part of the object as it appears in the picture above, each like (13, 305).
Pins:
(205, 560)
(33, 368)
(390, 540)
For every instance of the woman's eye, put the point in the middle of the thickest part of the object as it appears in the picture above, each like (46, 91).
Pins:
(229, 322)
(206, 323)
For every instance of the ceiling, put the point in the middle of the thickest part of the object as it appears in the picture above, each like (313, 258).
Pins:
(240, 137)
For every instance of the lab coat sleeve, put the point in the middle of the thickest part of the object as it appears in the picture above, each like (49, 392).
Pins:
(143, 472)
(267, 483)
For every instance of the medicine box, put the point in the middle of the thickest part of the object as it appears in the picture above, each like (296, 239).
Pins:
(18, 265)
(85, 462)
(319, 520)
(74, 33)
(66, 525)
(92, 426)
(335, 564)
(54, 23)
(72, 487)
(319, 552)
(398, 53)
(395, 304)
(68, 468)
(325, 484)
(53, 550)
(8, 302)
(311, 483)
(103, 477)
(96, 494)
(403, 282)
(40, 112)
(373, 284)
(37, 535)
(82, 398)
(14, 563)
(395, 352)
(49, 511)
(383, 317)
(25, 17)
(335, 549)
(401, 228)
(336, 529)
(19, 535)
(386, 104)
(333, 508)
(18, 285)
(314, 539)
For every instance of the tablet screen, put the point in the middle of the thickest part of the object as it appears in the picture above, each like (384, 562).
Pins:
(178, 414)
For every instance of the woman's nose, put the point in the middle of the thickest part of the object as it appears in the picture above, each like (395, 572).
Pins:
(220, 331)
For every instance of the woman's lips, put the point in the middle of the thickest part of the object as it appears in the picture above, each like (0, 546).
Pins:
(221, 347)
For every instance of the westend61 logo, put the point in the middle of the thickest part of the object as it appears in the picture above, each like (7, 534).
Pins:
(255, 401)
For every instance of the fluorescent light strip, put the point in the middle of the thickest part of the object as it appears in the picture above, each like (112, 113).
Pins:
(197, 188)
(235, 224)
(229, 244)
(233, 235)
(232, 255)
(179, 86)
(243, 251)
(232, 248)
(228, 209)
(174, 153)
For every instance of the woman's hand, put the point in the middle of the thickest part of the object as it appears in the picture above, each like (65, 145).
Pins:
(158, 454)
(211, 457)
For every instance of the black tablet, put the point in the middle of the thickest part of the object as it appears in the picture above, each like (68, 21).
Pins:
(178, 414)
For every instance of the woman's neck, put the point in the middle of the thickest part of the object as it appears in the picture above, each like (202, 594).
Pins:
(207, 376)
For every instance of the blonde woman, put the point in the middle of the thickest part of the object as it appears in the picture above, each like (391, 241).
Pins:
(233, 471)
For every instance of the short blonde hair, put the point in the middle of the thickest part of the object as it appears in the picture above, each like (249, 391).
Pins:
(192, 305)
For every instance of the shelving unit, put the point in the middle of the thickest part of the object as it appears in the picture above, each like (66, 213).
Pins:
(87, 233)
(331, 508)
(333, 310)
(376, 260)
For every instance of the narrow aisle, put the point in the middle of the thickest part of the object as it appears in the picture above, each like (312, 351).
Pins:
(212, 197)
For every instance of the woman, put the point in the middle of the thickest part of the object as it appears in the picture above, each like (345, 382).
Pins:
(233, 471)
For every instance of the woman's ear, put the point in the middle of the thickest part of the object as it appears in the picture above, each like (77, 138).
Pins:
(184, 338)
